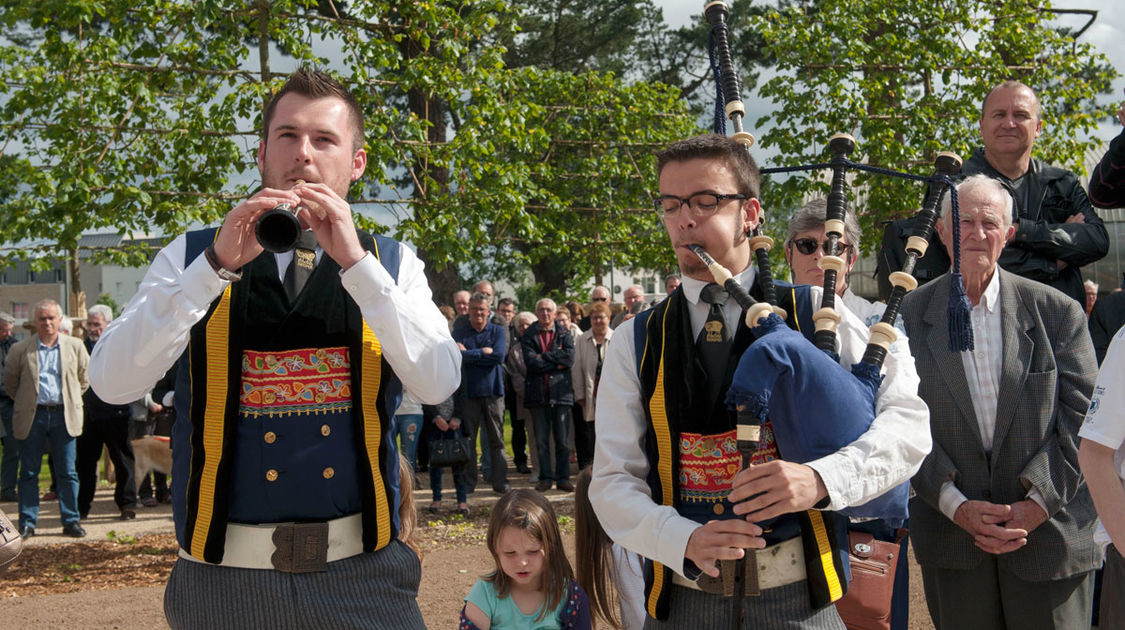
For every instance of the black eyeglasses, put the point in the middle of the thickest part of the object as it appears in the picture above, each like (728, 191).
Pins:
(599, 299)
(808, 245)
(700, 203)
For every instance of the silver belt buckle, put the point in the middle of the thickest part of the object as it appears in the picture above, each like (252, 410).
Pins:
(300, 547)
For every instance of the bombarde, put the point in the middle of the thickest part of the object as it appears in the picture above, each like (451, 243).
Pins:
(278, 229)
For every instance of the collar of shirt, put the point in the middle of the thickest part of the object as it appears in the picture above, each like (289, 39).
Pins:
(43, 346)
(698, 309)
(990, 299)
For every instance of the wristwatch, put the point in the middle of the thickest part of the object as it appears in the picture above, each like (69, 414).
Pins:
(213, 260)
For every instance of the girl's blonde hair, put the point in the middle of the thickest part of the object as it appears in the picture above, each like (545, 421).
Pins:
(531, 513)
(407, 511)
(593, 553)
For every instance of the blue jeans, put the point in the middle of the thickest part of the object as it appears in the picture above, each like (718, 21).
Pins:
(49, 427)
(405, 430)
(552, 421)
(10, 457)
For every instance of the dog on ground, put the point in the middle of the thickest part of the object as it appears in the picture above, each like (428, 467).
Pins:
(152, 452)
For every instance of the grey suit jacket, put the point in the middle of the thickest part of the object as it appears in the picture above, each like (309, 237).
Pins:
(1047, 375)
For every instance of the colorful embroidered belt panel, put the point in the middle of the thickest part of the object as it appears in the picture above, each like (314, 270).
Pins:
(309, 380)
(708, 463)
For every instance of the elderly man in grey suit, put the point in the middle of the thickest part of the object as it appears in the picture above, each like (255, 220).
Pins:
(1002, 522)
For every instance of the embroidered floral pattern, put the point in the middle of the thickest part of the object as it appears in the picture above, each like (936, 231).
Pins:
(708, 463)
(310, 380)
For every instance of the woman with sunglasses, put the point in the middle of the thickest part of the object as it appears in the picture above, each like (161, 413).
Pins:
(804, 247)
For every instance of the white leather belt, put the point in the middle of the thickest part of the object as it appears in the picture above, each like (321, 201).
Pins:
(290, 547)
(778, 565)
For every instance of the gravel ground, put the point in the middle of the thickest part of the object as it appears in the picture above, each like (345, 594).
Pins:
(114, 577)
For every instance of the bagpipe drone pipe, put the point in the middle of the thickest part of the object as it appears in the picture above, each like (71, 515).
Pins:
(814, 405)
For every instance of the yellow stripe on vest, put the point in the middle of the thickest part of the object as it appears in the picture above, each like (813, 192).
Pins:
(214, 413)
(835, 590)
(796, 320)
(659, 414)
(372, 374)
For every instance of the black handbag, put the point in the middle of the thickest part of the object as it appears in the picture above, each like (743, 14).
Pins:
(449, 451)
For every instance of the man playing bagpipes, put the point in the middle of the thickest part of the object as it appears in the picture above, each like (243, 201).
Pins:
(668, 482)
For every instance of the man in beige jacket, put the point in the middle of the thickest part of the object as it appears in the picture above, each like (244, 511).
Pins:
(45, 375)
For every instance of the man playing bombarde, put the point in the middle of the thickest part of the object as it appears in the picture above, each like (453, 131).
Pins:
(285, 483)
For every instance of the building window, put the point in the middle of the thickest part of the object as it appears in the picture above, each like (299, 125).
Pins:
(19, 310)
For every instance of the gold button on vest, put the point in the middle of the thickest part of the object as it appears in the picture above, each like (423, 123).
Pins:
(329, 473)
(718, 509)
(271, 475)
(325, 430)
(270, 437)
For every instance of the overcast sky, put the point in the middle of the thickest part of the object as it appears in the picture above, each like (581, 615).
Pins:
(1107, 35)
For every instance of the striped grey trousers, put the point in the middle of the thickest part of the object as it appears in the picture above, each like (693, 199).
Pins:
(782, 608)
(371, 590)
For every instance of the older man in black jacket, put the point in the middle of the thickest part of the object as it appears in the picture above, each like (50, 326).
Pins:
(548, 352)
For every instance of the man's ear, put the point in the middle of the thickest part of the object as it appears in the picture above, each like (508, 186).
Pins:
(751, 214)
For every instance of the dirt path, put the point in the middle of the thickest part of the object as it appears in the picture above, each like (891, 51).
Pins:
(114, 577)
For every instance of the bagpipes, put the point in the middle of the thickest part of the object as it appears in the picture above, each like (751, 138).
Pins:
(814, 405)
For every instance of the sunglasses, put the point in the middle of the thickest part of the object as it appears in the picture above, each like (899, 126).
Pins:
(808, 245)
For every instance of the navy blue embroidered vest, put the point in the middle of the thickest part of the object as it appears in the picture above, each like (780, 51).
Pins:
(283, 409)
(684, 430)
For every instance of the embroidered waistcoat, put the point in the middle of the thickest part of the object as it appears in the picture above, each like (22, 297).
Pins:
(692, 450)
(283, 410)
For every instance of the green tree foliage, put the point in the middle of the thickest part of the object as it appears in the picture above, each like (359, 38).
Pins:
(133, 117)
(907, 78)
(556, 178)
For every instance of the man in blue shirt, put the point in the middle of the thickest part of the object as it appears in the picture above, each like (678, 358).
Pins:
(45, 375)
(483, 347)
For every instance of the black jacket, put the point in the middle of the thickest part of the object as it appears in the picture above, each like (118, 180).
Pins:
(1107, 317)
(1047, 197)
(548, 369)
(5, 346)
(1107, 182)
(98, 409)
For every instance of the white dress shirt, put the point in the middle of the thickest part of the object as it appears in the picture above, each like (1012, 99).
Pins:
(983, 366)
(138, 347)
(889, 453)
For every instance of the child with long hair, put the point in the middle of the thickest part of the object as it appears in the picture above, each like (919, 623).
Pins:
(407, 511)
(611, 576)
(532, 585)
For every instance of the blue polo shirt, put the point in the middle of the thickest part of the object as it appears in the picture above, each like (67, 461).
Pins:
(50, 374)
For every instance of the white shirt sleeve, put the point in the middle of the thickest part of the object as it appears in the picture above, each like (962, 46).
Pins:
(618, 490)
(892, 449)
(153, 330)
(1105, 421)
